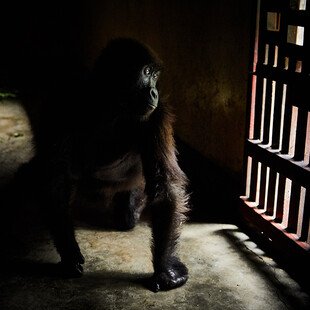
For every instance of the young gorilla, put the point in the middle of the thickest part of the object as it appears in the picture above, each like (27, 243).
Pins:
(124, 135)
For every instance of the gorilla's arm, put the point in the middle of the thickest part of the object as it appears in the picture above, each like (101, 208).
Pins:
(57, 186)
(165, 187)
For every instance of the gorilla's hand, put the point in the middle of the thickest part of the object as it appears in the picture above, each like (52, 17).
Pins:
(71, 265)
(172, 276)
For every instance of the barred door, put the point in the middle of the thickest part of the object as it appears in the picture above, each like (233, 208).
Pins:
(276, 200)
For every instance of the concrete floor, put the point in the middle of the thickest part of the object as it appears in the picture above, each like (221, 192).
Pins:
(227, 270)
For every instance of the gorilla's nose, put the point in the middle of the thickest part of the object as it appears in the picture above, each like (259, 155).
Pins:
(154, 94)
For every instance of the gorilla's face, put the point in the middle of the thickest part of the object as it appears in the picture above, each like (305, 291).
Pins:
(144, 96)
(126, 75)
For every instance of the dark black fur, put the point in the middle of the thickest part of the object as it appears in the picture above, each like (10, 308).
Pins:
(120, 145)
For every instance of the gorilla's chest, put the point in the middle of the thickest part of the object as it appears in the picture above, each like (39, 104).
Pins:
(121, 170)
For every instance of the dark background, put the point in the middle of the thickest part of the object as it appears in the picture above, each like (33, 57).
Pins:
(205, 46)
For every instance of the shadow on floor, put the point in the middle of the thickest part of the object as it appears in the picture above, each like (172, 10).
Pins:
(264, 265)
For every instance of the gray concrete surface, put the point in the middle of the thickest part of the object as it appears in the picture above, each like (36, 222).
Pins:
(15, 138)
(227, 270)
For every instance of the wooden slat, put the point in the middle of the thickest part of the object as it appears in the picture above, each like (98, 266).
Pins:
(281, 213)
(267, 115)
(286, 128)
(253, 182)
(301, 135)
(277, 116)
(293, 208)
(271, 193)
(279, 162)
(306, 217)
(282, 240)
(262, 187)
(280, 201)
(258, 108)
(297, 83)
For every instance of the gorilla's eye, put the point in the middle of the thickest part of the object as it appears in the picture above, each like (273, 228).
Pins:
(156, 75)
(147, 70)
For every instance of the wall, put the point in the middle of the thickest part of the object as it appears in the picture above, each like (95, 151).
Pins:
(204, 44)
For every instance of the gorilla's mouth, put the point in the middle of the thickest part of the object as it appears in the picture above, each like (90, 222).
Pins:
(147, 106)
(153, 105)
